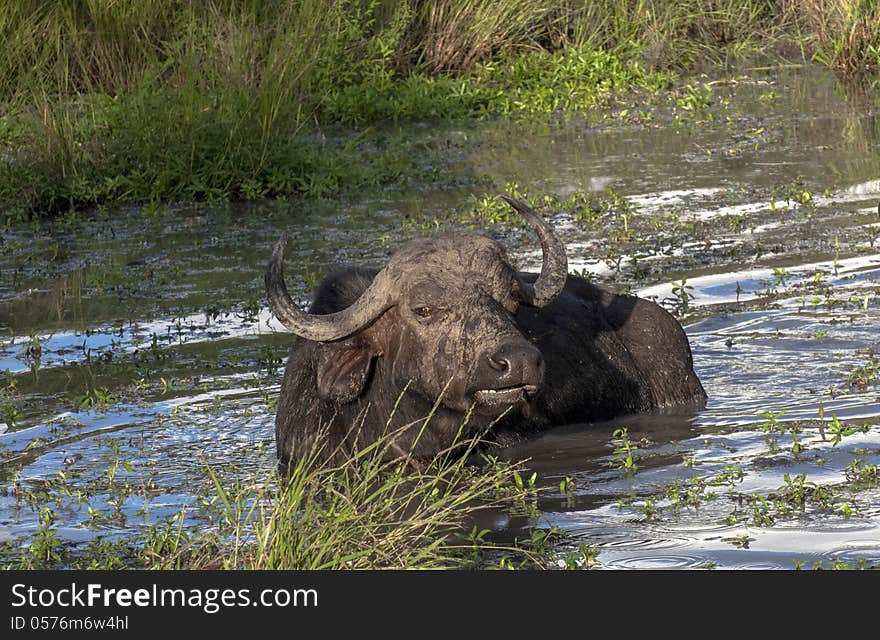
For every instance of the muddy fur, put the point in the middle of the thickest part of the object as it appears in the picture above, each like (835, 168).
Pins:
(595, 355)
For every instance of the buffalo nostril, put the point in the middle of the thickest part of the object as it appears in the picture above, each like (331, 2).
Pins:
(501, 364)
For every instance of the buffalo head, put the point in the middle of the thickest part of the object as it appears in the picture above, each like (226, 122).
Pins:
(440, 316)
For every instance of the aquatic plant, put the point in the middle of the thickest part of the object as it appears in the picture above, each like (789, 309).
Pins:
(363, 513)
(623, 456)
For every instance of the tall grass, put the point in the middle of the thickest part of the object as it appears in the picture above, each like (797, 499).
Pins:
(364, 513)
(367, 513)
(375, 506)
(120, 101)
(844, 34)
(454, 35)
(673, 33)
(108, 100)
(285, 58)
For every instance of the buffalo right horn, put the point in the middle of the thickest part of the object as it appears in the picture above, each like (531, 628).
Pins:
(554, 268)
(322, 328)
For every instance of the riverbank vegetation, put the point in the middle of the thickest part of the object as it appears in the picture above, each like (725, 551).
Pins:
(108, 102)
(364, 513)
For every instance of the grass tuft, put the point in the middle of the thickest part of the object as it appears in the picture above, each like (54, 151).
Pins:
(365, 512)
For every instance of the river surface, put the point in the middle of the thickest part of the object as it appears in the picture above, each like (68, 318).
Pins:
(136, 347)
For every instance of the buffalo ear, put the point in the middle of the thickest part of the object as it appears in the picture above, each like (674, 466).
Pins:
(343, 370)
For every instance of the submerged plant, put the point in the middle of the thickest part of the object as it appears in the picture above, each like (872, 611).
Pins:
(365, 512)
(10, 401)
(864, 375)
(682, 292)
(861, 475)
(44, 550)
(794, 191)
(622, 456)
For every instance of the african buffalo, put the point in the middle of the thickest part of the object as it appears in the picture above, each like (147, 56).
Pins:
(448, 318)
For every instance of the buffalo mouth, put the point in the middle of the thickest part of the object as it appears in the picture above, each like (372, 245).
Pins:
(505, 396)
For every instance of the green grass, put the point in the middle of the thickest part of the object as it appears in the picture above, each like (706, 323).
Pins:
(105, 102)
(365, 513)
(843, 34)
(362, 514)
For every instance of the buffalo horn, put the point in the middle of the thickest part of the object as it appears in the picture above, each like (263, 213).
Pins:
(321, 328)
(554, 268)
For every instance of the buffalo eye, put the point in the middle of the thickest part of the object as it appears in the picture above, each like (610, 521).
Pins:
(423, 311)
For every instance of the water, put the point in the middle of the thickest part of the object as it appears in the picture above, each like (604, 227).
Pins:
(139, 347)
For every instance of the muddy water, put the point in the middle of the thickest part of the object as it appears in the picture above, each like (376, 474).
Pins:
(137, 347)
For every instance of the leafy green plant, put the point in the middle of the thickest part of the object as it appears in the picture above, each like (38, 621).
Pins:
(797, 492)
(861, 475)
(864, 375)
(740, 541)
(100, 398)
(781, 276)
(771, 421)
(731, 475)
(10, 402)
(794, 191)
(649, 509)
(695, 99)
(45, 548)
(567, 485)
(585, 557)
(840, 430)
(682, 292)
(624, 450)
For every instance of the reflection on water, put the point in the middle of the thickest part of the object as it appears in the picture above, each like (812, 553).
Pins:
(142, 344)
